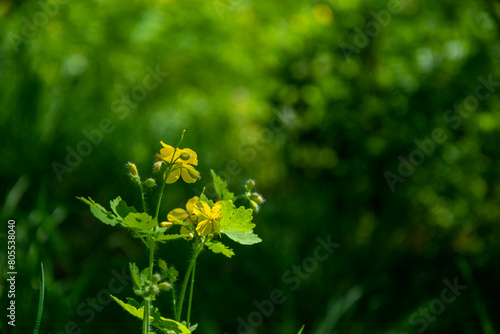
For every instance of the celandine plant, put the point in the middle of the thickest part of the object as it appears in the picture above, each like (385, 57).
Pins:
(202, 223)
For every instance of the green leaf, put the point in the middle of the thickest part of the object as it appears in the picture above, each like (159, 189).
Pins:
(164, 324)
(244, 238)
(100, 212)
(205, 199)
(133, 302)
(162, 264)
(139, 313)
(235, 219)
(140, 221)
(120, 208)
(219, 247)
(221, 187)
(300, 332)
(134, 271)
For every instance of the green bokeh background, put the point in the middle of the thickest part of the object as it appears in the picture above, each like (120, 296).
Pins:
(293, 94)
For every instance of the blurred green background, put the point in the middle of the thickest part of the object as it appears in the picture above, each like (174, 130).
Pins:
(316, 101)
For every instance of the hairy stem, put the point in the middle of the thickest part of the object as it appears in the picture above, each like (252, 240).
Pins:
(191, 295)
(196, 251)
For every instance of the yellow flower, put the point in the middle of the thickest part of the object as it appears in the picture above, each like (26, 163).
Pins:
(183, 161)
(208, 218)
(187, 216)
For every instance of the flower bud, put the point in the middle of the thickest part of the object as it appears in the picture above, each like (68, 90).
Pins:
(257, 198)
(153, 290)
(157, 166)
(165, 286)
(156, 278)
(250, 185)
(254, 206)
(166, 224)
(132, 169)
(185, 156)
(193, 173)
(150, 183)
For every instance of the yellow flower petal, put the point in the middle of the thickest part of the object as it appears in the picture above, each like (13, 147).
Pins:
(193, 159)
(202, 210)
(166, 151)
(189, 174)
(204, 227)
(190, 204)
(177, 214)
(174, 176)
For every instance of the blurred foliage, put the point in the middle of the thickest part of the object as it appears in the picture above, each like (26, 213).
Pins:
(265, 91)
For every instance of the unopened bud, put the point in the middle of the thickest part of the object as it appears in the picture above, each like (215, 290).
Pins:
(132, 169)
(254, 206)
(150, 183)
(250, 185)
(193, 173)
(257, 198)
(165, 286)
(153, 290)
(166, 224)
(135, 178)
(156, 278)
(185, 156)
(157, 166)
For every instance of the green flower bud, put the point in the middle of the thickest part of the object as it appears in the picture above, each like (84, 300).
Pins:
(254, 206)
(150, 183)
(132, 169)
(257, 198)
(153, 290)
(250, 185)
(156, 278)
(157, 166)
(165, 286)
(185, 156)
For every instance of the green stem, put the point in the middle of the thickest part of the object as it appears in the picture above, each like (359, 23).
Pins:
(145, 319)
(147, 302)
(164, 182)
(142, 198)
(191, 295)
(174, 302)
(186, 280)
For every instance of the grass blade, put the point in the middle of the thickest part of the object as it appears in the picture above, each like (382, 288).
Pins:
(40, 303)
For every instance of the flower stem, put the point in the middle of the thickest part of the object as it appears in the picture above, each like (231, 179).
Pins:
(174, 302)
(145, 319)
(142, 198)
(147, 302)
(196, 251)
(164, 182)
(191, 295)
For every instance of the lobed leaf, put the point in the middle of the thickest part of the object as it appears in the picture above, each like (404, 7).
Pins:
(164, 324)
(244, 238)
(219, 247)
(221, 187)
(120, 208)
(235, 219)
(140, 221)
(100, 212)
